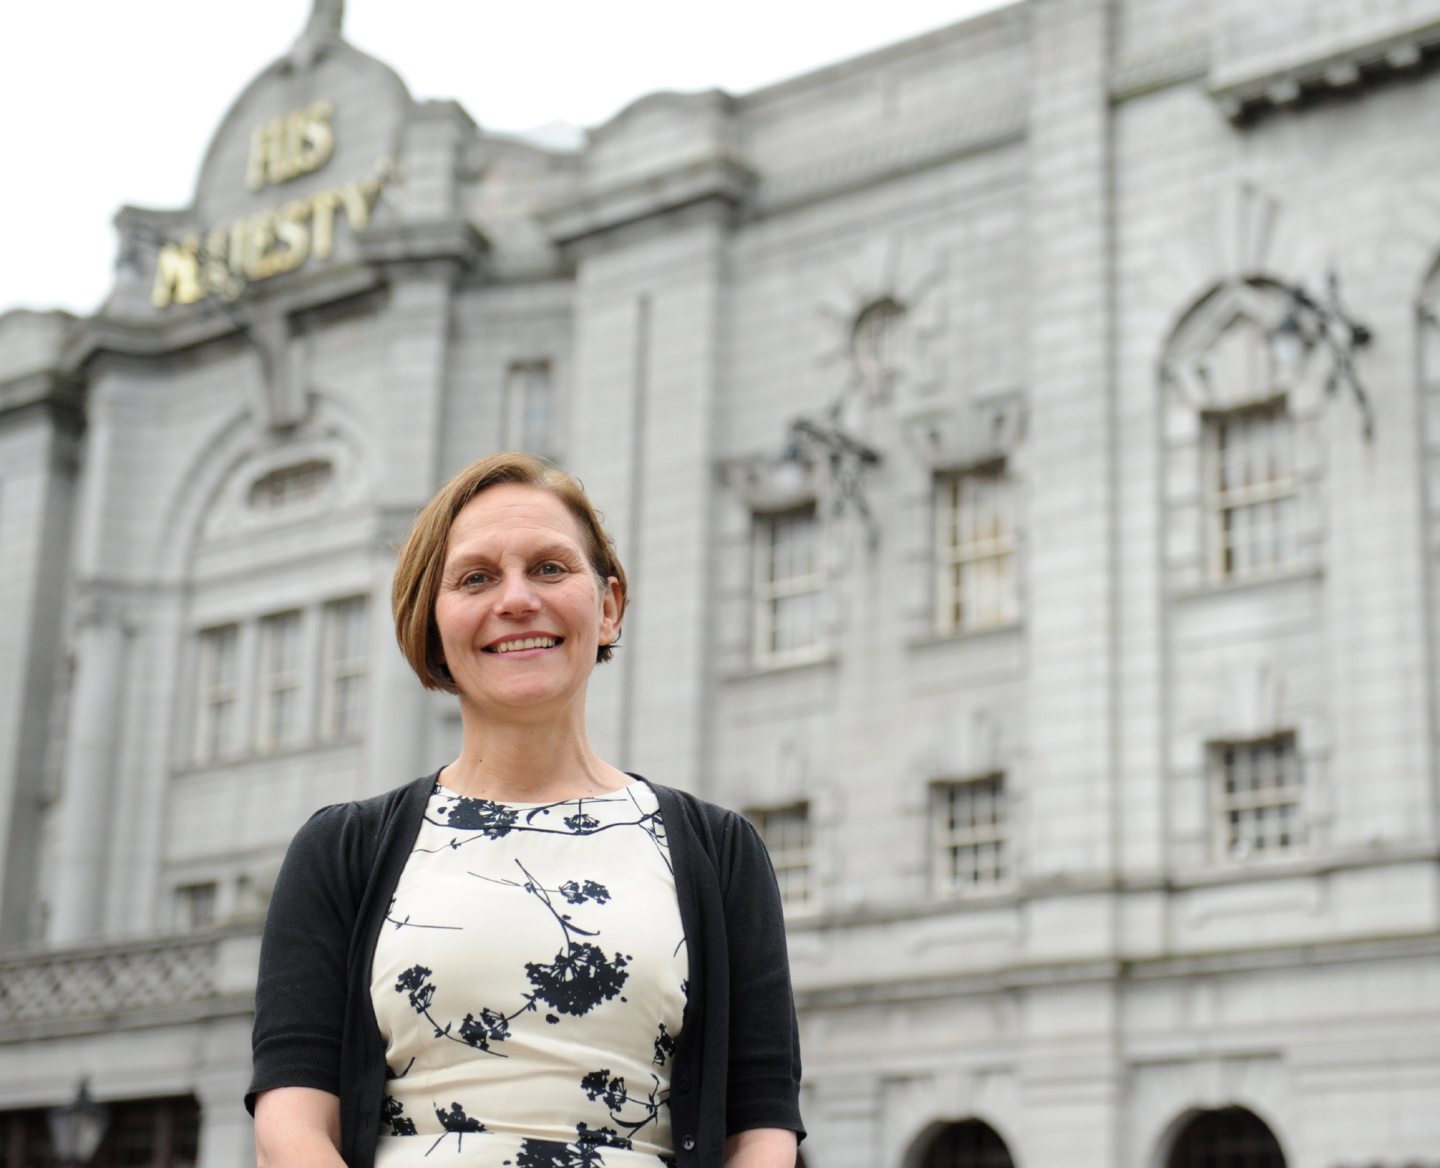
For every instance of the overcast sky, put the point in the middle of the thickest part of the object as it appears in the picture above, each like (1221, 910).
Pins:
(108, 102)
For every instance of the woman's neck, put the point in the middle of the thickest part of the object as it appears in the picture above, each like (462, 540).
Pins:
(541, 763)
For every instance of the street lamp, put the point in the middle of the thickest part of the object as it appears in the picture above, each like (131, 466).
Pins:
(1310, 323)
(77, 1128)
(848, 457)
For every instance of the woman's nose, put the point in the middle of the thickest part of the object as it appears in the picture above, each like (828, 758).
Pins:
(517, 595)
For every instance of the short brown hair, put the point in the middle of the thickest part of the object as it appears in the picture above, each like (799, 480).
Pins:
(422, 557)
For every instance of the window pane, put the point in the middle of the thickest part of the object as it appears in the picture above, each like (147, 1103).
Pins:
(529, 407)
(1259, 787)
(969, 833)
(216, 734)
(975, 550)
(786, 832)
(346, 660)
(291, 484)
(788, 584)
(195, 906)
(1252, 493)
(280, 679)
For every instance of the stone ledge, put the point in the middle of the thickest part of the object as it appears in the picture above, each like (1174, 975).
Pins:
(1174, 65)
(127, 984)
(716, 178)
(997, 125)
(1246, 92)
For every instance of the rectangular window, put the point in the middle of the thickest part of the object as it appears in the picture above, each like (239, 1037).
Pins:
(529, 407)
(346, 659)
(1259, 786)
(969, 834)
(975, 550)
(195, 906)
(25, 1140)
(217, 722)
(150, 1133)
(1251, 491)
(786, 832)
(280, 681)
(788, 587)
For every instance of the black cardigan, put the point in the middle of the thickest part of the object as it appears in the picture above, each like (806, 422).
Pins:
(737, 1061)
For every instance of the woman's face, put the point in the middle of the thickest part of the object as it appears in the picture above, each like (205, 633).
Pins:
(520, 611)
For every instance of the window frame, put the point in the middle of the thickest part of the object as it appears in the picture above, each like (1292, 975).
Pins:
(951, 556)
(519, 396)
(947, 842)
(791, 854)
(185, 898)
(272, 681)
(768, 592)
(1222, 502)
(337, 671)
(1287, 797)
(214, 693)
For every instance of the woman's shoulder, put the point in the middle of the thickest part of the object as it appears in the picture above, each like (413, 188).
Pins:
(357, 820)
(720, 829)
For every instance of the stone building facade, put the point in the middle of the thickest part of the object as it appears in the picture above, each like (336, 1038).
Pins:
(1024, 442)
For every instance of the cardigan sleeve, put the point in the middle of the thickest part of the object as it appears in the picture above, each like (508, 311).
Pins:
(764, 1072)
(300, 994)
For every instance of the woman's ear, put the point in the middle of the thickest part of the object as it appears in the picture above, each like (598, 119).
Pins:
(610, 608)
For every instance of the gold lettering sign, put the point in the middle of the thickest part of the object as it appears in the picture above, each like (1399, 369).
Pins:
(285, 148)
(259, 246)
(277, 240)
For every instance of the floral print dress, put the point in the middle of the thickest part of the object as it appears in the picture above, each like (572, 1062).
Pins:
(530, 983)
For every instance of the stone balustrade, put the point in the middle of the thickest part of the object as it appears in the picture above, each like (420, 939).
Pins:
(118, 985)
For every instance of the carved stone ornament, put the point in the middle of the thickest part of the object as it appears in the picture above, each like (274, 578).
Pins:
(981, 431)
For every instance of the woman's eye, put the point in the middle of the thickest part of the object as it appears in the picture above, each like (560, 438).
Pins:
(473, 579)
(550, 568)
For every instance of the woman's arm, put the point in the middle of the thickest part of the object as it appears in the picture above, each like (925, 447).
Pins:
(299, 1127)
(761, 1147)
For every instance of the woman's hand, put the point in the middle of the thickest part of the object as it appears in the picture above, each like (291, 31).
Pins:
(297, 1127)
(761, 1147)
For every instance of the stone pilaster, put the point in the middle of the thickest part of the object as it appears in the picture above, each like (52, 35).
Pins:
(82, 816)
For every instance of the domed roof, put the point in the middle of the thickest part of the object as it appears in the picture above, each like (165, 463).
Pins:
(321, 115)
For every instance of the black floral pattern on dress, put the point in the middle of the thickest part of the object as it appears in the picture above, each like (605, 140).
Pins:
(580, 893)
(611, 1091)
(584, 1152)
(581, 823)
(393, 1113)
(483, 819)
(415, 981)
(664, 1046)
(581, 977)
(456, 1123)
(491, 820)
(477, 1033)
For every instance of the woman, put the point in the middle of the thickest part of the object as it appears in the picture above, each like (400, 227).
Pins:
(529, 957)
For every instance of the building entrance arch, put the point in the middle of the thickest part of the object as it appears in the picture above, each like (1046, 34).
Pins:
(971, 1143)
(1229, 1137)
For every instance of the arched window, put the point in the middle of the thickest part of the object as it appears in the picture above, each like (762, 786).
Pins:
(875, 342)
(1242, 440)
(969, 1144)
(1228, 1138)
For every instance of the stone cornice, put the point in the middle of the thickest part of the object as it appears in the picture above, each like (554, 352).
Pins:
(848, 170)
(453, 239)
(1023, 976)
(48, 390)
(717, 177)
(1260, 84)
(1173, 64)
(187, 327)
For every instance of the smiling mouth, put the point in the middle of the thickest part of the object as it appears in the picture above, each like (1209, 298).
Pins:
(524, 643)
